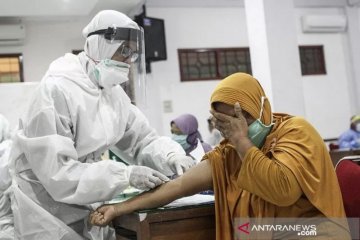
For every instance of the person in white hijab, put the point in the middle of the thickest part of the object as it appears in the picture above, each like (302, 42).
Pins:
(79, 111)
(6, 216)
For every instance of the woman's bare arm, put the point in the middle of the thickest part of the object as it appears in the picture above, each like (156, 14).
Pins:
(195, 180)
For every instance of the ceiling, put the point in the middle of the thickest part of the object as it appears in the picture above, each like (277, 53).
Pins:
(68, 9)
(62, 9)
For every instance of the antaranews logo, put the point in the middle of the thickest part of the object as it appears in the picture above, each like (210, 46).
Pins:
(245, 228)
(267, 227)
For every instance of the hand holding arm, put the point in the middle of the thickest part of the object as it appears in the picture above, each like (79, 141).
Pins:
(145, 178)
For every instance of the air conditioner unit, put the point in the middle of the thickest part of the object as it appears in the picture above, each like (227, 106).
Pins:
(354, 3)
(12, 34)
(323, 23)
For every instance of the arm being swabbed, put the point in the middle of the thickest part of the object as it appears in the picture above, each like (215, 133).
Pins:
(197, 179)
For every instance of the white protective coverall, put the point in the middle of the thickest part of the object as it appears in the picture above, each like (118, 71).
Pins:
(58, 176)
(6, 216)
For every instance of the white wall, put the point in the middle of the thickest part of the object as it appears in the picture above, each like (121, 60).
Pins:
(326, 98)
(15, 99)
(192, 28)
(327, 102)
(46, 41)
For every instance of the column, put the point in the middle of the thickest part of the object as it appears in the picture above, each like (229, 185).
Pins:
(275, 53)
(353, 37)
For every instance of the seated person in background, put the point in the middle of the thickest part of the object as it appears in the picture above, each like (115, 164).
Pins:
(184, 130)
(215, 135)
(6, 215)
(270, 165)
(351, 138)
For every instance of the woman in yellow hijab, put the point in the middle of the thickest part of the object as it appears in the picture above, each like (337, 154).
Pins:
(270, 166)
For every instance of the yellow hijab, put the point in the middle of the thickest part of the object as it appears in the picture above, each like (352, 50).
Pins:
(243, 88)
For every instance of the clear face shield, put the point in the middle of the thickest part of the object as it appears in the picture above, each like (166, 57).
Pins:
(132, 52)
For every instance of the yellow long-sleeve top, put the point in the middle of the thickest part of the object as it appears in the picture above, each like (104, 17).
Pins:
(292, 176)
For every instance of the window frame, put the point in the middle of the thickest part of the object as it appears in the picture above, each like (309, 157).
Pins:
(217, 52)
(19, 56)
(321, 64)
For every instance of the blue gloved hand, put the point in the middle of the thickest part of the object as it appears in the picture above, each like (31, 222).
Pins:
(180, 163)
(145, 178)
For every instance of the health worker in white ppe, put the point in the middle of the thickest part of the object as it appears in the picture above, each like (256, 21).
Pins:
(78, 112)
(6, 216)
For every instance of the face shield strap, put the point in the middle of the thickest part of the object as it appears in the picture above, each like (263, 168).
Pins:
(121, 34)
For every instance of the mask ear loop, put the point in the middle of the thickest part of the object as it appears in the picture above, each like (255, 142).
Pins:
(262, 108)
(95, 61)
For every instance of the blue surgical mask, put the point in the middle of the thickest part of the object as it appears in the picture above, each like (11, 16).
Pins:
(181, 139)
(257, 131)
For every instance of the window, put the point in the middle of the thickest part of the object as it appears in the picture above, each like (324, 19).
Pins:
(212, 63)
(312, 60)
(11, 68)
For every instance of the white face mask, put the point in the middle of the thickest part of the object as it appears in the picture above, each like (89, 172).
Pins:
(110, 73)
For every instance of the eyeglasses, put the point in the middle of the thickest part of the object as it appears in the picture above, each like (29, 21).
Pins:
(126, 52)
